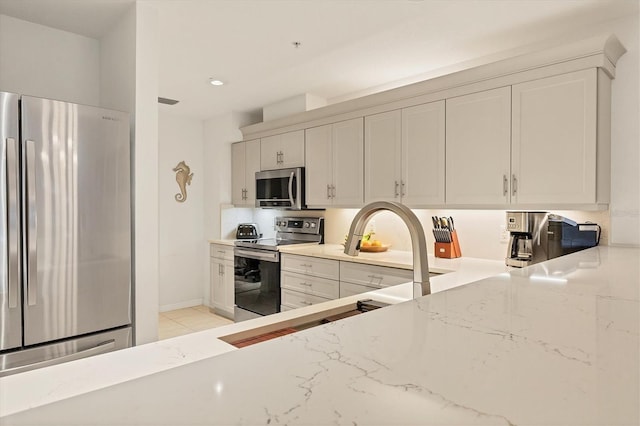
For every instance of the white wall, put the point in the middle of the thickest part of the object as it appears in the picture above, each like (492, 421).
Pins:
(129, 82)
(625, 137)
(49, 63)
(146, 173)
(181, 225)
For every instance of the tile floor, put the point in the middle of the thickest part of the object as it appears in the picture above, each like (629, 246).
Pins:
(187, 320)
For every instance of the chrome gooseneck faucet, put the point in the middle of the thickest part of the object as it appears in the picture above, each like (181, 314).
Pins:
(421, 286)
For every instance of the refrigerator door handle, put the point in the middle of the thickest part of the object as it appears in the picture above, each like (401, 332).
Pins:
(106, 346)
(31, 277)
(13, 258)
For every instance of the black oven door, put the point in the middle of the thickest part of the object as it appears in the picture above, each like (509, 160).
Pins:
(256, 282)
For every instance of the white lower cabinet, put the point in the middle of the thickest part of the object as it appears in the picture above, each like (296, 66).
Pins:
(349, 289)
(359, 278)
(307, 280)
(221, 295)
(307, 284)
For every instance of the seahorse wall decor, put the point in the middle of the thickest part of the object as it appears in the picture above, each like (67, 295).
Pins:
(183, 177)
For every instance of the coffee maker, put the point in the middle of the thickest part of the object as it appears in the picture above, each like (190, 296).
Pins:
(528, 242)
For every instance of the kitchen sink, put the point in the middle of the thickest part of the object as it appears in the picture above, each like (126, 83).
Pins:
(262, 334)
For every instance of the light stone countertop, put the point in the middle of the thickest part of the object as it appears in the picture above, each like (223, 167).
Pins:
(555, 343)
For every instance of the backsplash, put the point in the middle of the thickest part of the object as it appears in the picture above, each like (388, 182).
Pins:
(479, 231)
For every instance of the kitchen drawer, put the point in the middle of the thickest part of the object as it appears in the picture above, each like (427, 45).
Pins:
(299, 300)
(310, 285)
(349, 289)
(373, 276)
(220, 251)
(323, 268)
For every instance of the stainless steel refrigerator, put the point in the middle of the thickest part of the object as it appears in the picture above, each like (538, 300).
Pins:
(65, 232)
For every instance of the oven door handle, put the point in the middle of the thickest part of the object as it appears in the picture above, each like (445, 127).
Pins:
(259, 255)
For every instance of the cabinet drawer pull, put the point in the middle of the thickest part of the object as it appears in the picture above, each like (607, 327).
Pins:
(505, 185)
(307, 284)
(375, 277)
(306, 265)
(304, 302)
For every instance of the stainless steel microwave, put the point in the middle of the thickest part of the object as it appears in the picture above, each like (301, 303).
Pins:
(282, 189)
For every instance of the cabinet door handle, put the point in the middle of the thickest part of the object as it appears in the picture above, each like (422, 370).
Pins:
(402, 188)
(396, 190)
(505, 185)
(219, 269)
(333, 191)
(328, 191)
(514, 185)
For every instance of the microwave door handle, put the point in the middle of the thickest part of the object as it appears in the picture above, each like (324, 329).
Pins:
(291, 189)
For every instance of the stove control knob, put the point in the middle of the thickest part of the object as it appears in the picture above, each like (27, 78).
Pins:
(306, 224)
(313, 224)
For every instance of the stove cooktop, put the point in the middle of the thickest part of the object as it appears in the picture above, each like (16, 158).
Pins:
(289, 230)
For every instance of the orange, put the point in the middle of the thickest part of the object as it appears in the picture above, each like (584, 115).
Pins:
(376, 243)
(365, 244)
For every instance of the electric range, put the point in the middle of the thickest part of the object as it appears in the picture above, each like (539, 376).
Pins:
(257, 265)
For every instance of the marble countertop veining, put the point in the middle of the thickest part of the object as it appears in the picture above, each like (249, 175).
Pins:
(555, 343)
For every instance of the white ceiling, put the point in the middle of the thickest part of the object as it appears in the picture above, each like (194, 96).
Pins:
(349, 47)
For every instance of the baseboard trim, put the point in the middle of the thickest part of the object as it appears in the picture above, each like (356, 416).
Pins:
(181, 305)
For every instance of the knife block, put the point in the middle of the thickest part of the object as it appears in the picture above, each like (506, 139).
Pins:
(448, 250)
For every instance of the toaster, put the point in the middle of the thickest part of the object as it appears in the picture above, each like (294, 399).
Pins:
(248, 231)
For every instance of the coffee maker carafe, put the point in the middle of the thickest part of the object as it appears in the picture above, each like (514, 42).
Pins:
(528, 241)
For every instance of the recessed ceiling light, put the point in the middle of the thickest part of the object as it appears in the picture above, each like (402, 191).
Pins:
(216, 82)
(296, 44)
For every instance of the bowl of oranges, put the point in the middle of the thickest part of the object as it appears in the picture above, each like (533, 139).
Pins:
(371, 245)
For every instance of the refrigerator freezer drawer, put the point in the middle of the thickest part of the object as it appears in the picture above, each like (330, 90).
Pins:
(69, 350)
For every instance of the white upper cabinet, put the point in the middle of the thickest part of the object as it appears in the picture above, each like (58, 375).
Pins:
(282, 151)
(382, 156)
(404, 155)
(478, 148)
(245, 162)
(334, 164)
(423, 154)
(347, 159)
(554, 140)
(319, 168)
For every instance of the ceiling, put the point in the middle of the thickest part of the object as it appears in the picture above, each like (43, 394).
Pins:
(348, 47)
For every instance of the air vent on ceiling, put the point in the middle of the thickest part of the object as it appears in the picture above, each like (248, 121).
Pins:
(167, 101)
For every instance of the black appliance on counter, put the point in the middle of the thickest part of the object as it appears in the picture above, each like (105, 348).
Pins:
(566, 236)
(248, 231)
(257, 265)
